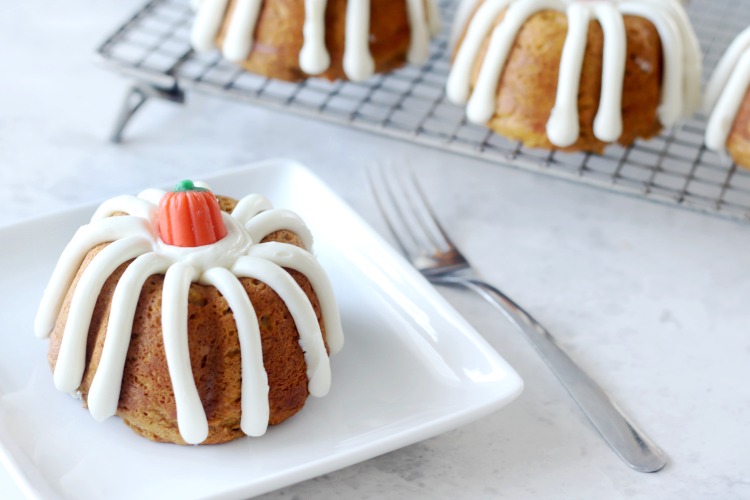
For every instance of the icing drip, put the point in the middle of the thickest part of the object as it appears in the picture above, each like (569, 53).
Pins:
(674, 95)
(71, 258)
(127, 204)
(481, 105)
(275, 219)
(292, 257)
(72, 357)
(419, 43)
(314, 59)
(433, 17)
(250, 206)
(191, 418)
(238, 44)
(207, 24)
(680, 88)
(255, 408)
(608, 120)
(562, 127)
(310, 336)
(459, 85)
(725, 91)
(220, 264)
(358, 62)
(104, 392)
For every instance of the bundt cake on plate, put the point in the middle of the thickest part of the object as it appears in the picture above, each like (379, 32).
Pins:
(193, 324)
(575, 74)
(727, 102)
(334, 39)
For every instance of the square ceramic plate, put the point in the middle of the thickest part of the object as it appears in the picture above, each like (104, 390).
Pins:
(411, 368)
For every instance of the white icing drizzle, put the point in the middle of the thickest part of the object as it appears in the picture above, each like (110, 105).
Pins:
(104, 392)
(238, 44)
(127, 204)
(562, 126)
(310, 336)
(458, 87)
(71, 258)
(250, 206)
(460, 18)
(255, 407)
(680, 84)
(433, 17)
(481, 105)
(269, 221)
(725, 111)
(692, 56)
(71, 360)
(207, 24)
(293, 257)
(419, 43)
(191, 418)
(673, 93)
(725, 91)
(314, 59)
(135, 236)
(358, 62)
(608, 119)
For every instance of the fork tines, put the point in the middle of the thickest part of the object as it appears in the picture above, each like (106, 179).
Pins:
(409, 216)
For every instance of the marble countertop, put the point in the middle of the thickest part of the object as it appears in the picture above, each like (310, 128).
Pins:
(651, 300)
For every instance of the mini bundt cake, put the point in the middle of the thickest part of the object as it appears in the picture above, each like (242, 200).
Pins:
(334, 39)
(575, 74)
(193, 325)
(727, 102)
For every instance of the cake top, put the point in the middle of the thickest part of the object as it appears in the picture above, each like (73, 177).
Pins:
(182, 235)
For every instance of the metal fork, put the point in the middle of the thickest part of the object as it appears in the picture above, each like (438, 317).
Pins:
(426, 244)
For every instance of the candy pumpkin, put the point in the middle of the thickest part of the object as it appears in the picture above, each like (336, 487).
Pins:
(189, 216)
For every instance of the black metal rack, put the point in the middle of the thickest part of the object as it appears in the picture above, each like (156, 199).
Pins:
(153, 48)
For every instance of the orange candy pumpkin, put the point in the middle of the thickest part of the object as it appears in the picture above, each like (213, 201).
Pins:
(189, 216)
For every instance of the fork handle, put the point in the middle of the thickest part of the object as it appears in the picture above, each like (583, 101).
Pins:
(625, 439)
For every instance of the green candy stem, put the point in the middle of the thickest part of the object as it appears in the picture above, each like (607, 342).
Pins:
(187, 185)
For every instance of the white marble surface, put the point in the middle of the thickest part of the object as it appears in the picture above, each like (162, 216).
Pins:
(651, 300)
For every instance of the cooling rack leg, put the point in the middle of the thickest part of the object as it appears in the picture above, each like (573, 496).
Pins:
(136, 97)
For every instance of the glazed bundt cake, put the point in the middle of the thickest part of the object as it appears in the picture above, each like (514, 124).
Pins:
(727, 102)
(191, 324)
(575, 74)
(334, 39)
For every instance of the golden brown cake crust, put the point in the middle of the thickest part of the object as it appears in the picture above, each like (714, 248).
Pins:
(147, 402)
(278, 38)
(738, 142)
(528, 85)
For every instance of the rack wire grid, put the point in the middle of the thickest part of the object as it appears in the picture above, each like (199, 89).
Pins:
(153, 47)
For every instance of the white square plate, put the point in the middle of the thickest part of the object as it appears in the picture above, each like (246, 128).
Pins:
(411, 368)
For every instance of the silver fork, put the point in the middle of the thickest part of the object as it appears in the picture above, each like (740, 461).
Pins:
(425, 243)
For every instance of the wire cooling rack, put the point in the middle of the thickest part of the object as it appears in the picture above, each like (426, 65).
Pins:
(153, 48)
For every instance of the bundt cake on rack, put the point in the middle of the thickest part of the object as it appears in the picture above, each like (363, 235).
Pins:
(193, 325)
(727, 102)
(575, 74)
(334, 39)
